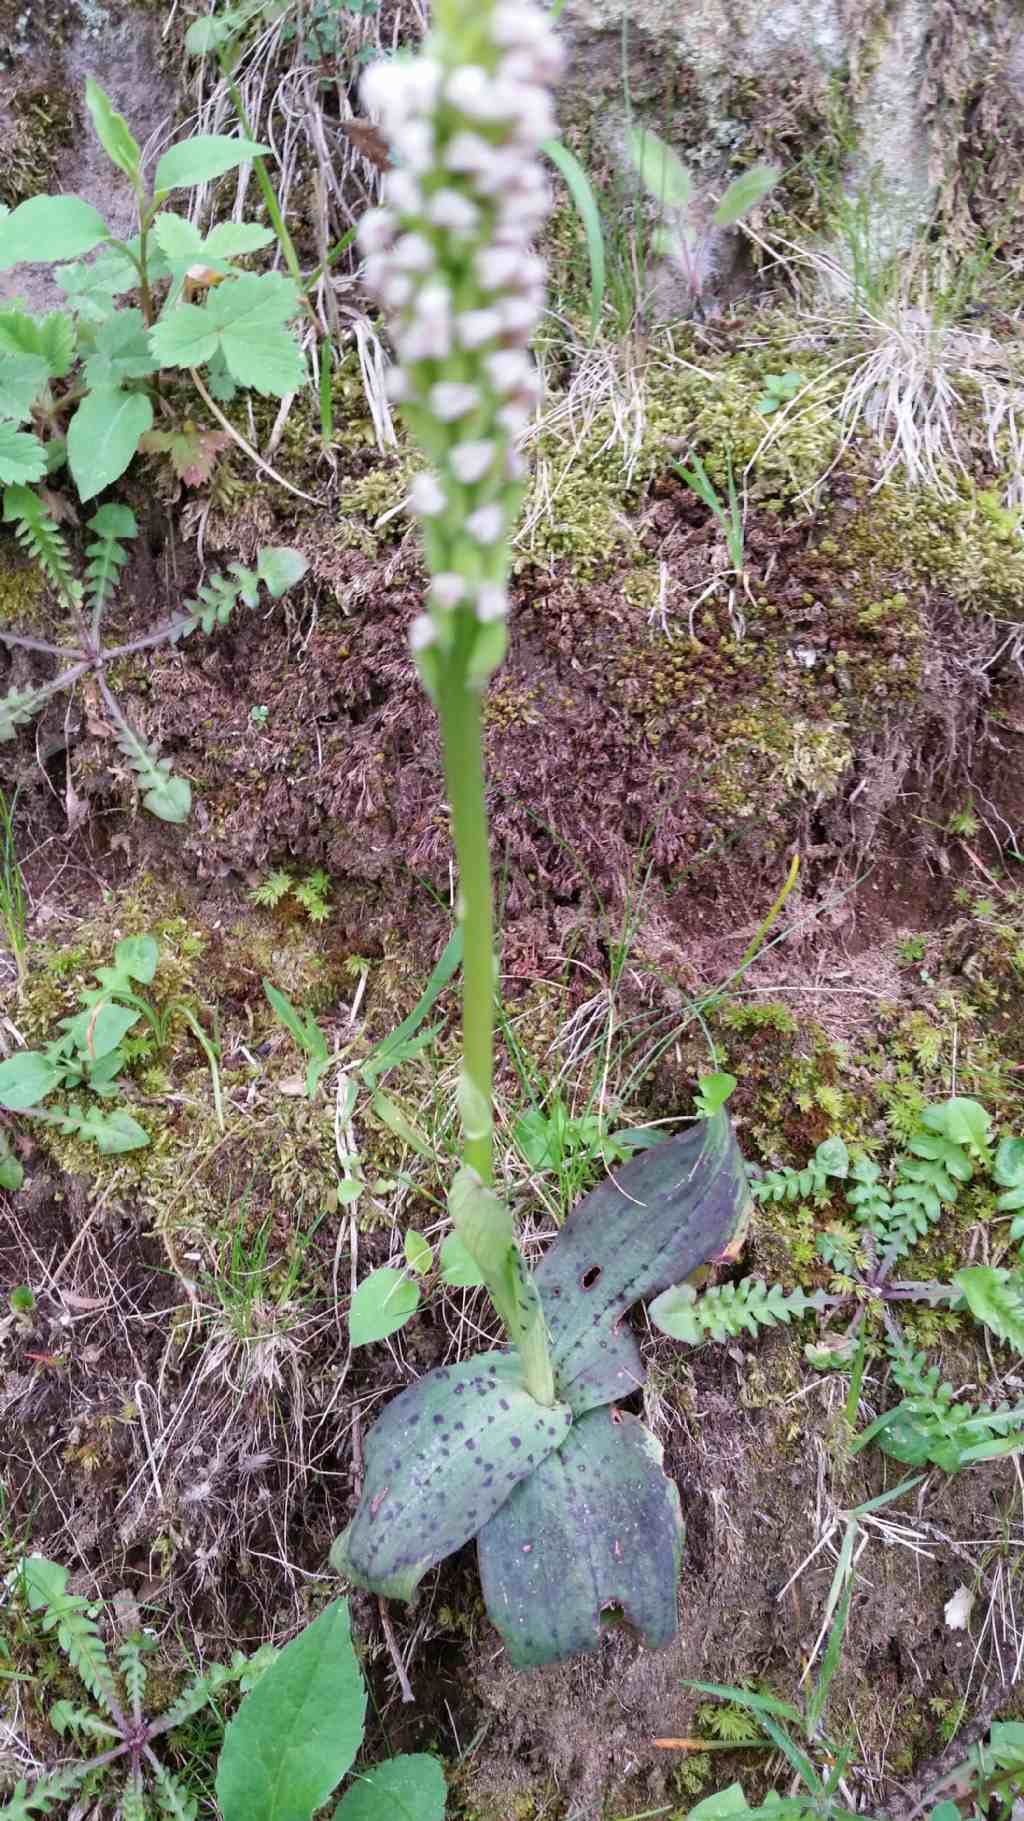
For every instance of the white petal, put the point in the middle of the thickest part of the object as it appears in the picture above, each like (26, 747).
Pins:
(422, 632)
(470, 461)
(448, 589)
(451, 399)
(486, 524)
(491, 601)
(427, 496)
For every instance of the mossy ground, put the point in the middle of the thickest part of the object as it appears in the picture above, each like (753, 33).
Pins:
(180, 1414)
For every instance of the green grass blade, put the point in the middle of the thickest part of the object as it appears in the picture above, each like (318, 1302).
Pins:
(578, 184)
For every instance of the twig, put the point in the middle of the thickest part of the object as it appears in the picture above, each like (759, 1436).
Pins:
(237, 437)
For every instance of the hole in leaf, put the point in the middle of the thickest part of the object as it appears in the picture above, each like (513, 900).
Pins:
(590, 1277)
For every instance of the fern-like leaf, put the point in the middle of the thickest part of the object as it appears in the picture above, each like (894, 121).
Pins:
(199, 1692)
(996, 1298)
(728, 1309)
(217, 599)
(107, 554)
(312, 894)
(134, 1806)
(830, 1159)
(19, 706)
(929, 1425)
(174, 1801)
(163, 794)
(272, 889)
(133, 1672)
(25, 1804)
(38, 534)
(75, 1624)
(66, 1718)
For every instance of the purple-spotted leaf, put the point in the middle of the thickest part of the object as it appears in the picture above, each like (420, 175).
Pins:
(440, 1461)
(645, 1228)
(678, 1206)
(596, 1528)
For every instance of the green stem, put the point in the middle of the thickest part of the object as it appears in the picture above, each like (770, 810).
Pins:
(459, 706)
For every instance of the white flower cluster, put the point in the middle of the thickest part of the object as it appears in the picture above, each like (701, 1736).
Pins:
(450, 258)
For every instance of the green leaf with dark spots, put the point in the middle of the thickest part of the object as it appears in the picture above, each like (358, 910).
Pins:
(596, 1528)
(678, 1206)
(439, 1463)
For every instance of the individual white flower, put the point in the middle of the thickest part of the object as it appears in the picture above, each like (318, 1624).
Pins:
(396, 290)
(413, 143)
(413, 253)
(470, 461)
(475, 327)
(514, 417)
(402, 193)
(448, 589)
(527, 108)
(424, 338)
(518, 317)
(422, 632)
(396, 385)
(511, 371)
(496, 267)
(515, 465)
(422, 78)
(451, 399)
(468, 154)
(377, 87)
(376, 231)
(486, 524)
(426, 496)
(491, 601)
(470, 89)
(450, 209)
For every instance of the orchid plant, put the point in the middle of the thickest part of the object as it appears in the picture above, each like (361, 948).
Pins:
(524, 1449)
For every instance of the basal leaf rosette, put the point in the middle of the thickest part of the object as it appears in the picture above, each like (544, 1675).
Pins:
(569, 1500)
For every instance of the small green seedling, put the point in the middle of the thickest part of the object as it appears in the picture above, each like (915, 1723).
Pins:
(259, 715)
(12, 1174)
(95, 1046)
(313, 892)
(685, 238)
(779, 388)
(712, 1092)
(277, 569)
(89, 1055)
(21, 1300)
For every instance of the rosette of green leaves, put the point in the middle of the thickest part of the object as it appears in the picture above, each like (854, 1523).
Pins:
(526, 1449)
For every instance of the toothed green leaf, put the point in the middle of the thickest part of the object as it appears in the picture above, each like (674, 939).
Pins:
(408, 1788)
(296, 1734)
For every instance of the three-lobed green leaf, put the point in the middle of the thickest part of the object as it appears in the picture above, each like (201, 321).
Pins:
(297, 1732)
(245, 320)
